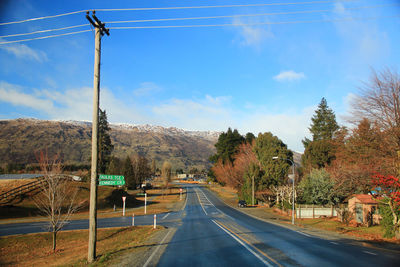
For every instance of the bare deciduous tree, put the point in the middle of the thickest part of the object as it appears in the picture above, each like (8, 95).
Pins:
(56, 199)
(166, 173)
(379, 102)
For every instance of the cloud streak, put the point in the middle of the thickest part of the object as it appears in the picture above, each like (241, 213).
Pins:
(289, 76)
(22, 51)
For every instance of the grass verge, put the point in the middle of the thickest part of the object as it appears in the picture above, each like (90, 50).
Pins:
(35, 249)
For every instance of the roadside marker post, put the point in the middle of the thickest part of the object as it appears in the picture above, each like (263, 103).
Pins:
(133, 219)
(145, 203)
(180, 193)
(123, 207)
(155, 221)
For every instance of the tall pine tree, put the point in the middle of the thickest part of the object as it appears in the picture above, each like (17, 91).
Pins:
(105, 145)
(319, 152)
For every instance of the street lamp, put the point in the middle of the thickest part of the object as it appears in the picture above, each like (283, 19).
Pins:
(276, 157)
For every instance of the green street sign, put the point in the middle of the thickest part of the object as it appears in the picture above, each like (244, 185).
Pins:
(111, 177)
(111, 182)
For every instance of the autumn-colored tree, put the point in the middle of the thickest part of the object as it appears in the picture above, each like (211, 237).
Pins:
(359, 155)
(232, 174)
(389, 188)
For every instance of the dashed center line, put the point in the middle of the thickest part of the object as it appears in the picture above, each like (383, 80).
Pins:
(368, 252)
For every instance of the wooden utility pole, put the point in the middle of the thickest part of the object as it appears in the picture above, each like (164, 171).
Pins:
(100, 30)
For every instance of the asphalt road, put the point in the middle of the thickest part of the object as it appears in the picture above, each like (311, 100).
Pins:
(210, 233)
(214, 234)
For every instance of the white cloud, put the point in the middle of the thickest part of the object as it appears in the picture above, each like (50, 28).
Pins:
(23, 51)
(147, 88)
(289, 75)
(13, 94)
(252, 35)
(207, 113)
(72, 104)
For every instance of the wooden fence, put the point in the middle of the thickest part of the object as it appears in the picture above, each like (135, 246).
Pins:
(313, 211)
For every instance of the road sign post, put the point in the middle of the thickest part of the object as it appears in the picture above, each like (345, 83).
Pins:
(133, 219)
(155, 221)
(123, 207)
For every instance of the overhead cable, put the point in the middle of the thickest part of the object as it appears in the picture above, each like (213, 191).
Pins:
(251, 24)
(247, 15)
(43, 37)
(43, 31)
(222, 6)
(45, 17)
(172, 8)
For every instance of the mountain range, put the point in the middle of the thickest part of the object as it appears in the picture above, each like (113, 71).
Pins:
(22, 139)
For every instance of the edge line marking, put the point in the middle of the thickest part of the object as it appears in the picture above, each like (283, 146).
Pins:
(243, 244)
(156, 250)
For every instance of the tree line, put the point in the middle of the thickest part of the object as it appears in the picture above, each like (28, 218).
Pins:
(338, 161)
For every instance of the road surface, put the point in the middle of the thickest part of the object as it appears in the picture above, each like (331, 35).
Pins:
(213, 234)
(210, 233)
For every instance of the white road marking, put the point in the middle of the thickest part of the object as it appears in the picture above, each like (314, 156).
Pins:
(243, 244)
(155, 251)
(334, 243)
(365, 251)
(201, 204)
(303, 233)
(165, 216)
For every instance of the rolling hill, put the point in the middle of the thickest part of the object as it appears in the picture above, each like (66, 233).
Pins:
(22, 139)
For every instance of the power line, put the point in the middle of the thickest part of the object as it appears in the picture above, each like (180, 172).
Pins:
(199, 18)
(44, 37)
(207, 25)
(174, 8)
(248, 15)
(251, 24)
(43, 31)
(45, 17)
(222, 6)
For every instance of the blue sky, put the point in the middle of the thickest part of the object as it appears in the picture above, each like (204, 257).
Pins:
(254, 77)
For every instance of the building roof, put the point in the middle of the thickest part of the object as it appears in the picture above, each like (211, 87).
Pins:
(366, 199)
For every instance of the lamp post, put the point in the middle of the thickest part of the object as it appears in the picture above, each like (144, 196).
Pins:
(292, 187)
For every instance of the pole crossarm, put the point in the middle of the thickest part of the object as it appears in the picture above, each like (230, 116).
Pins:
(97, 23)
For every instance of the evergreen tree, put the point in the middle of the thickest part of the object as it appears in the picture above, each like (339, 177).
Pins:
(249, 138)
(153, 167)
(104, 142)
(266, 147)
(129, 173)
(319, 152)
(227, 146)
(323, 123)
(115, 166)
